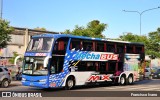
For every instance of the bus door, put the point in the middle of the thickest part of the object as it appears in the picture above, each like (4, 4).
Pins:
(57, 73)
(56, 66)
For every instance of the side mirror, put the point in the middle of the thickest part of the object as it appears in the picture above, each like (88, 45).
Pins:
(15, 61)
(46, 61)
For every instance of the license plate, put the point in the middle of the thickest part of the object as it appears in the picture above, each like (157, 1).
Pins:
(155, 76)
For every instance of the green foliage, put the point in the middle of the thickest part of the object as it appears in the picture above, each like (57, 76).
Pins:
(40, 29)
(152, 42)
(147, 64)
(93, 29)
(134, 38)
(15, 54)
(5, 30)
(11, 60)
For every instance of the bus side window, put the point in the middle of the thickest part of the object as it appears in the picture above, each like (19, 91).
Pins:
(111, 66)
(87, 45)
(138, 49)
(82, 66)
(120, 48)
(90, 66)
(75, 44)
(102, 67)
(61, 45)
(100, 47)
(129, 49)
(110, 48)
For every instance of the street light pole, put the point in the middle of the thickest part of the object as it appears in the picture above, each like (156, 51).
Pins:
(1, 8)
(140, 15)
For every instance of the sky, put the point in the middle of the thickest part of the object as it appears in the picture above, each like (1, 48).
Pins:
(59, 15)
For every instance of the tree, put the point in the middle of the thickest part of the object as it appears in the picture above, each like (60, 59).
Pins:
(93, 29)
(135, 38)
(154, 43)
(15, 54)
(5, 30)
(40, 29)
(11, 60)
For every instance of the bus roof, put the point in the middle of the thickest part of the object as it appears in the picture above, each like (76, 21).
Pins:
(84, 37)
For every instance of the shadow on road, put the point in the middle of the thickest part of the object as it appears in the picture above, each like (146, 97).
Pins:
(88, 87)
(147, 81)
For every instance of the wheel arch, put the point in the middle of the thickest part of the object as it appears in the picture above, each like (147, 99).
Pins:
(131, 74)
(122, 74)
(70, 76)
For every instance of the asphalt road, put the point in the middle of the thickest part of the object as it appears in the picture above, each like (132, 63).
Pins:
(92, 92)
(148, 85)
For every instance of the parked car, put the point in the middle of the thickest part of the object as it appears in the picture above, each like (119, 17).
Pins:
(148, 73)
(13, 70)
(156, 74)
(5, 78)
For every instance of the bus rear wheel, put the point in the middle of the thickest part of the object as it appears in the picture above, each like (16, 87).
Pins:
(130, 80)
(70, 83)
(122, 80)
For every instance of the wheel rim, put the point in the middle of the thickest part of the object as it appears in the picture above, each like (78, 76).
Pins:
(70, 83)
(122, 80)
(6, 83)
(130, 80)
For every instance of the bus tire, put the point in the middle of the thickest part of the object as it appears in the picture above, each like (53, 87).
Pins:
(122, 80)
(130, 80)
(70, 83)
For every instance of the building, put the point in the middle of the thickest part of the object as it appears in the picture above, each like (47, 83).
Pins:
(20, 38)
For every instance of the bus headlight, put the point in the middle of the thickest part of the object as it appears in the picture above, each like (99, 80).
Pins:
(43, 80)
(23, 79)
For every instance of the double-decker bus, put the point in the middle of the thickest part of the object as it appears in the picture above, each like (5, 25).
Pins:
(62, 60)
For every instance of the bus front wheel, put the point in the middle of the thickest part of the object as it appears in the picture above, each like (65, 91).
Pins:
(70, 83)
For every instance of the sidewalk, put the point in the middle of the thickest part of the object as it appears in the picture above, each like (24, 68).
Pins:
(15, 83)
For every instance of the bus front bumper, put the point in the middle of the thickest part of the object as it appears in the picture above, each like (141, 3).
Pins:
(35, 84)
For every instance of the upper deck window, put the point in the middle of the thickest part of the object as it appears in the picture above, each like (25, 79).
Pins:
(75, 44)
(120, 48)
(100, 47)
(139, 49)
(110, 47)
(40, 44)
(87, 45)
(60, 46)
(129, 49)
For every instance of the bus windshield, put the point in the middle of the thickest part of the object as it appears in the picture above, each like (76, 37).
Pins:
(41, 44)
(34, 66)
